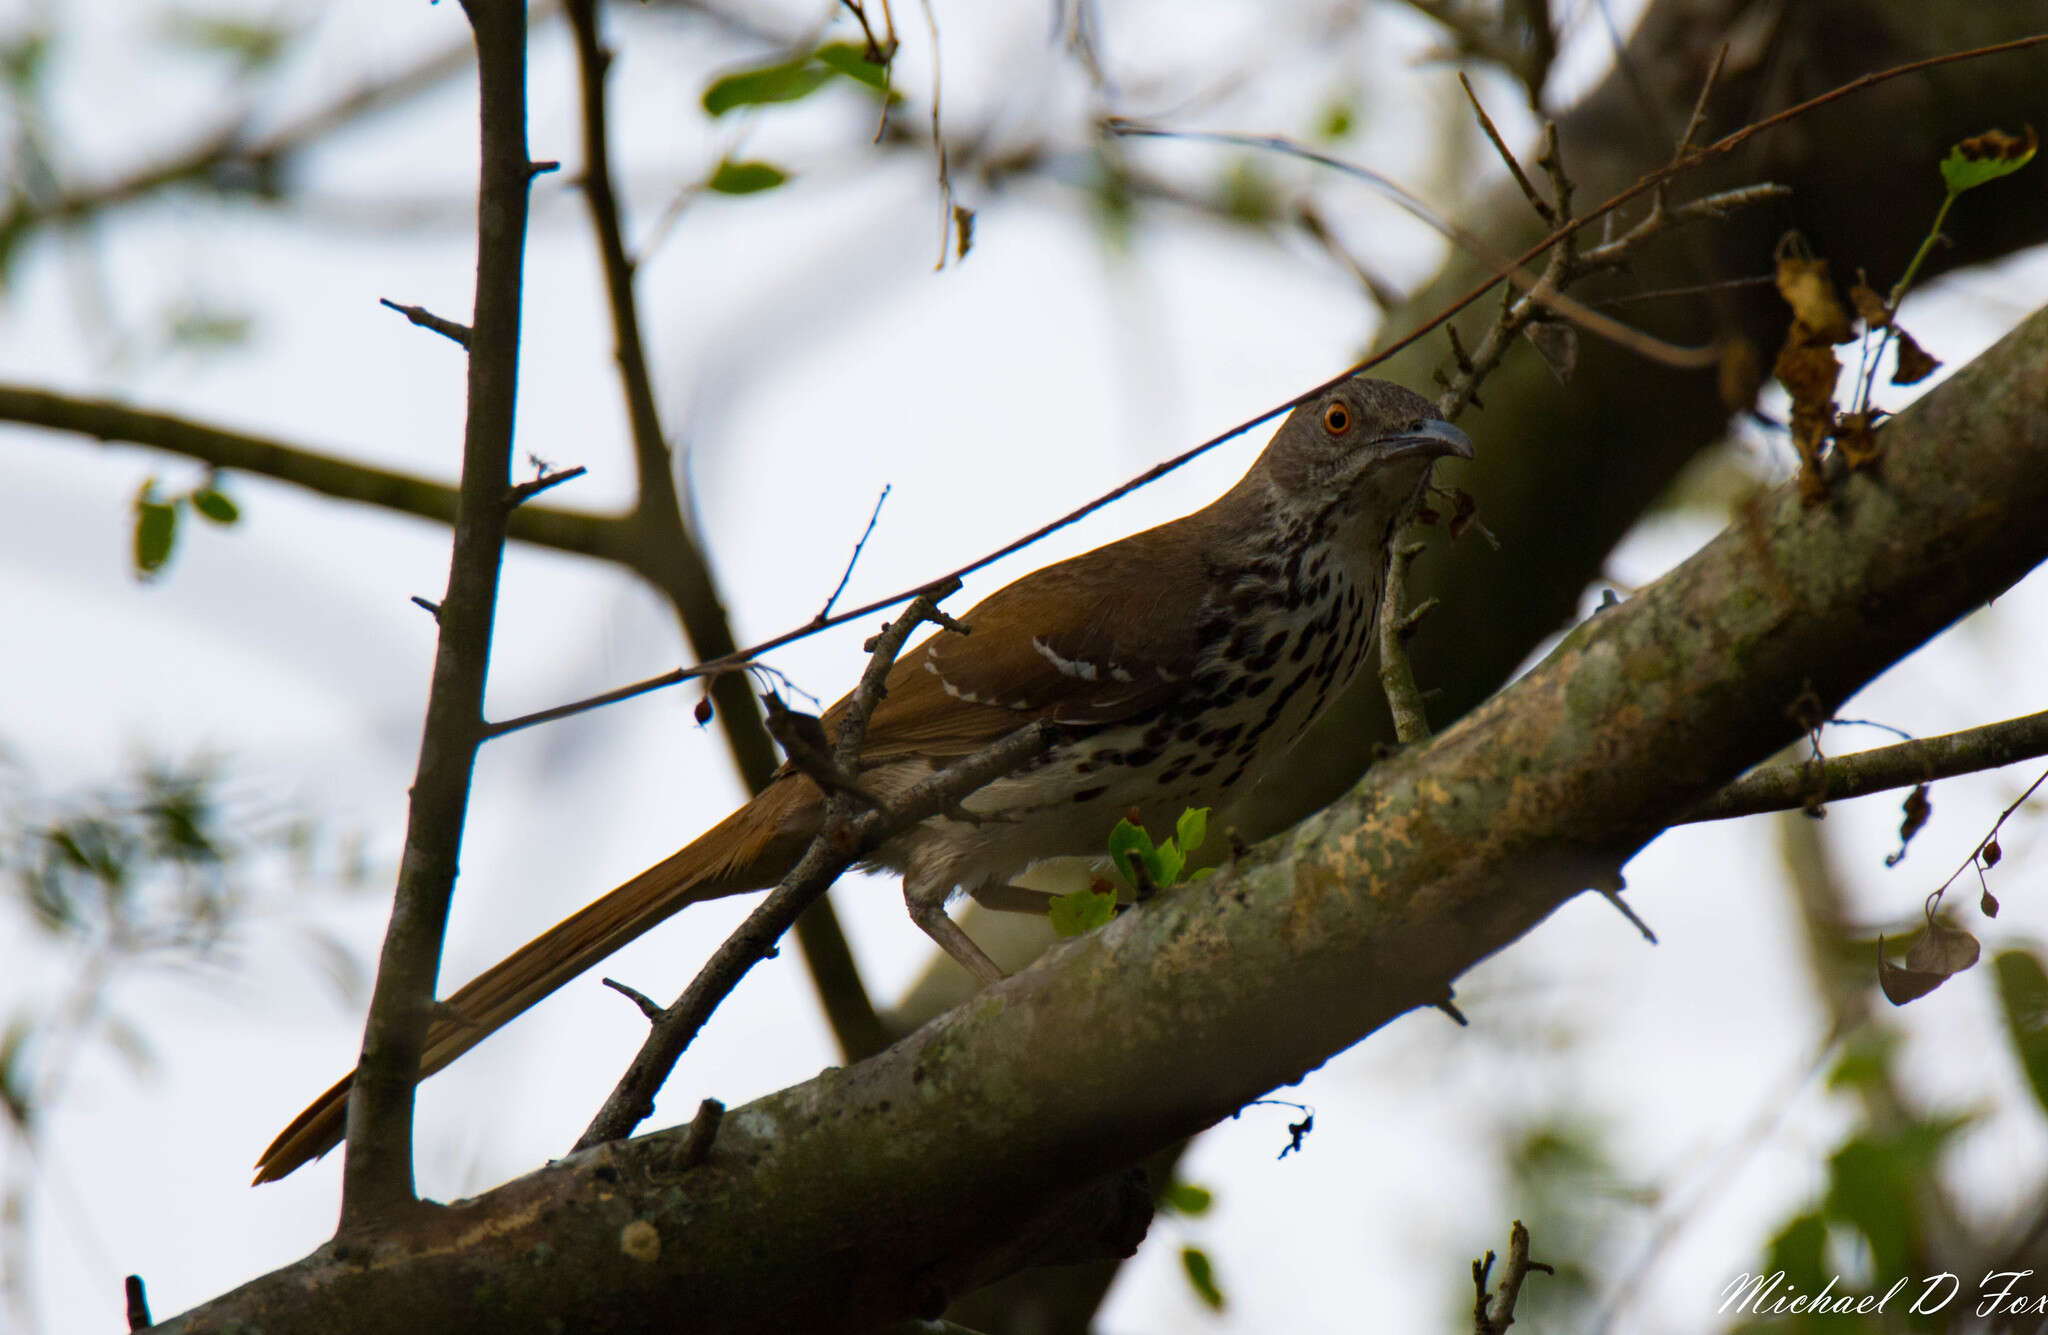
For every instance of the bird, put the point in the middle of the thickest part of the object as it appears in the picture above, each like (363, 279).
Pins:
(1177, 665)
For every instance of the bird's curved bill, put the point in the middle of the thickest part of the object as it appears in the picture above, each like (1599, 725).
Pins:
(1429, 440)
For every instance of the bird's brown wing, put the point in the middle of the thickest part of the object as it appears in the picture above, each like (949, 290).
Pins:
(1084, 642)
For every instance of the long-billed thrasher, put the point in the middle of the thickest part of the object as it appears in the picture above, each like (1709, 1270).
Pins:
(1179, 664)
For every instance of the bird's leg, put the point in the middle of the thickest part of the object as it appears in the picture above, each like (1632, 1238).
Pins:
(1013, 899)
(928, 910)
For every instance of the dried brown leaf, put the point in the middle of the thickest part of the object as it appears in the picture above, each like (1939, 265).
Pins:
(1559, 345)
(1997, 145)
(1903, 985)
(1804, 283)
(1808, 372)
(1856, 439)
(1915, 363)
(1989, 904)
(1916, 809)
(1741, 374)
(1869, 304)
(1464, 511)
(1943, 949)
(1991, 852)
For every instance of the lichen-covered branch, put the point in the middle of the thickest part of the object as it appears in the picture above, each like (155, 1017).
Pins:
(949, 1143)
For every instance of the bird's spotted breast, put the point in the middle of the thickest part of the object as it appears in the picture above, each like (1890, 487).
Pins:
(1281, 639)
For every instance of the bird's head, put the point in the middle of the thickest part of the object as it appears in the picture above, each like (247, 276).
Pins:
(1365, 445)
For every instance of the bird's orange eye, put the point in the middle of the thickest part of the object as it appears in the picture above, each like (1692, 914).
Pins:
(1336, 419)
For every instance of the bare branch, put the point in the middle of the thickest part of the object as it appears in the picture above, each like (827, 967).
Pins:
(1792, 785)
(1493, 1314)
(854, 560)
(674, 561)
(377, 1178)
(526, 491)
(1536, 201)
(1397, 678)
(603, 536)
(426, 319)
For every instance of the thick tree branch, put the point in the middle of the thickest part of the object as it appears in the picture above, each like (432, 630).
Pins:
(1173, 1016)
(377, 1181)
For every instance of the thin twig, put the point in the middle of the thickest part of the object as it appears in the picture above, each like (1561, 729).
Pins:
(377, 1178)
(1788, 786)
(1606, 326)
(453, 330)
(1397, 678)
(1378, 290)
(1536, 201)
(526, 491)
(854, 560)
(267, 156)
(703, 1131)
(948, 215)
(1529, 65)
(1495, 1316)
(649, 1007)
(1699, 105)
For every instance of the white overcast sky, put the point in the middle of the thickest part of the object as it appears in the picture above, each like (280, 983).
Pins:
(808, 356)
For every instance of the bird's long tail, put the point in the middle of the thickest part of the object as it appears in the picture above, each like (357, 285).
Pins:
(749, 850)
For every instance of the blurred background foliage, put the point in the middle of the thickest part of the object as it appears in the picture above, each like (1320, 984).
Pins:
(163, 867)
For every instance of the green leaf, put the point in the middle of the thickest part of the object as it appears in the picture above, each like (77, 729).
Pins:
(1864, 1061)
(156, 530)
(1192, 828)
(205, 327)
(1186, 1198)
(1800, 1250)
(1127, 841)
(1081, 912)
(215, 505)
(851, 59)
(17, 1078)
(252, 44)
(1166, 865)
(1338, 120)
(1877, 1188)
(1986, 157)
(1202, 1276)
(788, 81)
(745, 178)
(23, 60)
(1250, 194)
(2023, 991)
